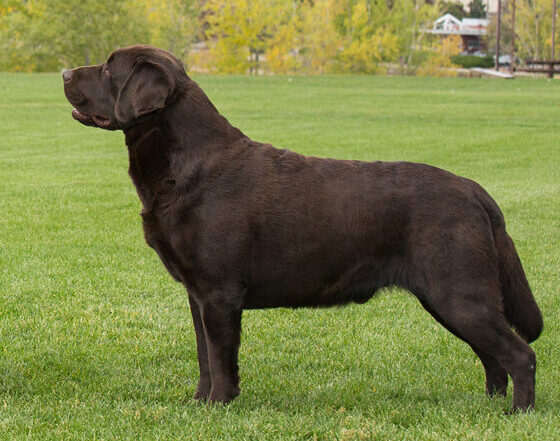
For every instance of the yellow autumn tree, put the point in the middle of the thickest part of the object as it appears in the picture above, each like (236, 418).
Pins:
(368, 37)
(438, 61)
(320, 41)
(240, 31)
(283, 47)
(173, 24)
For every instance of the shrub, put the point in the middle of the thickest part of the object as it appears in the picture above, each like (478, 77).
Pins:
(469, 61)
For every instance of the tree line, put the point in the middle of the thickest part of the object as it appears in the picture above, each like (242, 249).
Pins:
(251, 36)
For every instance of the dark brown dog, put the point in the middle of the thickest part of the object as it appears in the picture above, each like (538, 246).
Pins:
(244, 225)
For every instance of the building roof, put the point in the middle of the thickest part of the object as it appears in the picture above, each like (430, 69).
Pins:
(449, 24)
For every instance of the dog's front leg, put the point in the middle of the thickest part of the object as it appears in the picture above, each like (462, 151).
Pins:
(222, 326)
(204, 382)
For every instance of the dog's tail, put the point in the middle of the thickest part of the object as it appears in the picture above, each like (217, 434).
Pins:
(521, 309)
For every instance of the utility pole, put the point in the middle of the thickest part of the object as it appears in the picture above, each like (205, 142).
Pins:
(498, 34)
(553, 30)
(512, 52)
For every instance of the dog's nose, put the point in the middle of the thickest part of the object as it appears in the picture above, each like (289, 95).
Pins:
(67, 75)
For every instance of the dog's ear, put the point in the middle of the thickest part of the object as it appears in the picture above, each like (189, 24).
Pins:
(145, 90)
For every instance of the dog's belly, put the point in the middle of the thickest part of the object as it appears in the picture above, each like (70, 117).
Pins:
(323, 283)
(261, 298)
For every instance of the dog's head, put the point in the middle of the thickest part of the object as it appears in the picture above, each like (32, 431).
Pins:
(134, 82)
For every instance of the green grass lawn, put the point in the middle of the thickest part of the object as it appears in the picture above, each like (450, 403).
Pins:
(96, 340)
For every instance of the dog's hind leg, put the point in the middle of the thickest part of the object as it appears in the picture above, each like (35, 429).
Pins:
(496, 375)
(472, 317)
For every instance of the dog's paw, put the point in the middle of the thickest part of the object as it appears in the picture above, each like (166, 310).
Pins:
(202, 390)
(223, 395)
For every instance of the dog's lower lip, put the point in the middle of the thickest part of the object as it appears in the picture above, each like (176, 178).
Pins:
(100, 121)
(91, 120)
(77, 114)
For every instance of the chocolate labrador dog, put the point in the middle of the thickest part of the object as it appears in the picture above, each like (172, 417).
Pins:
(244, 225)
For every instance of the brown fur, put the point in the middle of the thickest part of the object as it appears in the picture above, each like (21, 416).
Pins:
(244, 225)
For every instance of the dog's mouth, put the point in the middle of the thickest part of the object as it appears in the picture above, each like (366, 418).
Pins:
(93, 120)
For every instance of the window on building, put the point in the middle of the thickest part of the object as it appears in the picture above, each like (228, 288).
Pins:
(473, 45)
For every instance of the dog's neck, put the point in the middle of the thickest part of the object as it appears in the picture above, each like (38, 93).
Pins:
(191, 122)
(175, 143)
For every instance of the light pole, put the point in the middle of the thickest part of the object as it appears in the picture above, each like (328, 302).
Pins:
(512, 52)
(498, 35)
(553, 30)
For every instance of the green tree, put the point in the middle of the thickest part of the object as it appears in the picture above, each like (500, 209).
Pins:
(87, 31)
(24, 38)
(477, 9)
(533, 29)
(453, 8)
(173, 24)
(46, 35)
(411, 19)
(505, 31)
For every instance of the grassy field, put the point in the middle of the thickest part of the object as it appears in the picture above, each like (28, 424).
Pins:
(96, 340)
